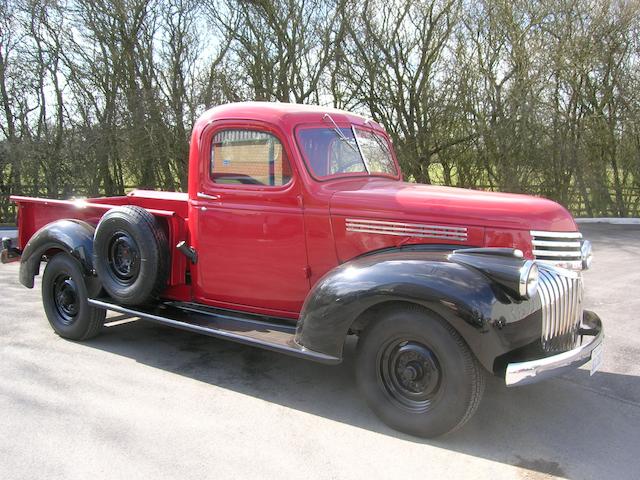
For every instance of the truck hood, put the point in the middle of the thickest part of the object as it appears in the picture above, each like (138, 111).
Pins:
(381, 198)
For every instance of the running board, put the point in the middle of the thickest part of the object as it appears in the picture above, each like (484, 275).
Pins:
(235, 326)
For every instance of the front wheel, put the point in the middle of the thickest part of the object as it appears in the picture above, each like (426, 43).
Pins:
(417, 374)
(64, 297)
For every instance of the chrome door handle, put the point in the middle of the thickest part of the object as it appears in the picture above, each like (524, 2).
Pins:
(208, 197)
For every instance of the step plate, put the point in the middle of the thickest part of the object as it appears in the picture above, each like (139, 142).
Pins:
(240, 327)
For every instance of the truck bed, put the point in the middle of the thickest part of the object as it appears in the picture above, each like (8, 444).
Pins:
(172, 207)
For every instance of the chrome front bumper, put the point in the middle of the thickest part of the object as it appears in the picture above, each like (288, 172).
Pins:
(532, 371)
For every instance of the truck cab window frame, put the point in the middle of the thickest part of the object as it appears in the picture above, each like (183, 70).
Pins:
(248, 158)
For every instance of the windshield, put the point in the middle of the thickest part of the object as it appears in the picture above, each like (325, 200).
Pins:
(340, 150)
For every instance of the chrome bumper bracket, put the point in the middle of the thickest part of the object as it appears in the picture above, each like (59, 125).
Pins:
(9, 253)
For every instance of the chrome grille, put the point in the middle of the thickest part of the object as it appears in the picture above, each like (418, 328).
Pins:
(561, 249)
(561, 295)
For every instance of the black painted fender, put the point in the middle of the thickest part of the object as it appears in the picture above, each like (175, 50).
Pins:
(481, 310)
(74, 237)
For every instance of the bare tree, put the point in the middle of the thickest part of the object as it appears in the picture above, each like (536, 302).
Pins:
(539, 96)
(281, 47)
(397, 72)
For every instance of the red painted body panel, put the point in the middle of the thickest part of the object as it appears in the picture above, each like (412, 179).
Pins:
(250, 239)
(34, 213)
(262, 248)
(456, 206)
(251, 252)
(509, 238)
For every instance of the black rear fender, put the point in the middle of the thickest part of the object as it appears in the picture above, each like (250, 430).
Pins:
(485, 316)
(74, 237)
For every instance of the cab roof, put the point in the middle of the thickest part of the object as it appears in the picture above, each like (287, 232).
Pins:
(285, 115)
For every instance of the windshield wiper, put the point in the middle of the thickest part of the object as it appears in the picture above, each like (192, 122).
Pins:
(342, 136)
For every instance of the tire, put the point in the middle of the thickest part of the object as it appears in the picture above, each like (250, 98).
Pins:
(64, 297)
(131, 255)
(417, 374)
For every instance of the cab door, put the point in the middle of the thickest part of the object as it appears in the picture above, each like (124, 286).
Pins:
(250, 225)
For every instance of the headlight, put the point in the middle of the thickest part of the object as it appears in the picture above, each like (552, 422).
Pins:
(586, 252)
(529, 277)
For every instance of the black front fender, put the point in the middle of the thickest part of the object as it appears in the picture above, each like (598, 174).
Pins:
(489, 320)
(74, 237)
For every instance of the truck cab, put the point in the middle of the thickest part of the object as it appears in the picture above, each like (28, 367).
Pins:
(261, 183)
(297, 231)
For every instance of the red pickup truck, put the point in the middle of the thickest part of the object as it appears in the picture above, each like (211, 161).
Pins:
(297, 231)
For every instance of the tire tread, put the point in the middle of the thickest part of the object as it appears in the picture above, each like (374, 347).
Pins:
(152, 232)
(478, 382)
(160, 237)
(93, 319)
(472, 370)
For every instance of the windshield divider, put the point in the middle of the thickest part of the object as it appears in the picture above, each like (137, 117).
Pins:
(365, 160)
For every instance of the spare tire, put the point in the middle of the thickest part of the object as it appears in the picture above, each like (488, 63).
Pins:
(131, 255)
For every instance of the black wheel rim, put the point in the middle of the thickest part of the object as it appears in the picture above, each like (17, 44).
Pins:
(410, 374)
(66, 298)
(123, 257)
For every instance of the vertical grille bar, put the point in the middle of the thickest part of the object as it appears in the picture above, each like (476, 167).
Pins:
(573, 305)
(566, 318)
(560, 293)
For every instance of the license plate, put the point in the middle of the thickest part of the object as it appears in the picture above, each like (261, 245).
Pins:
(596, 358)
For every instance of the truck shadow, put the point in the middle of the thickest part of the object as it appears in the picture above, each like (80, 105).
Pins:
(573, 426)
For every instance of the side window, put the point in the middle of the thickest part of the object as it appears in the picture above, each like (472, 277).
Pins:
(248, 157)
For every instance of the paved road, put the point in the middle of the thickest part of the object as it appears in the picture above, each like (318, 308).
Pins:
(143, 400)
(10, 232)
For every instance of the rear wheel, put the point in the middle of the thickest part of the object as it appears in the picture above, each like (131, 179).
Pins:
(417, 374)
(64, 297)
